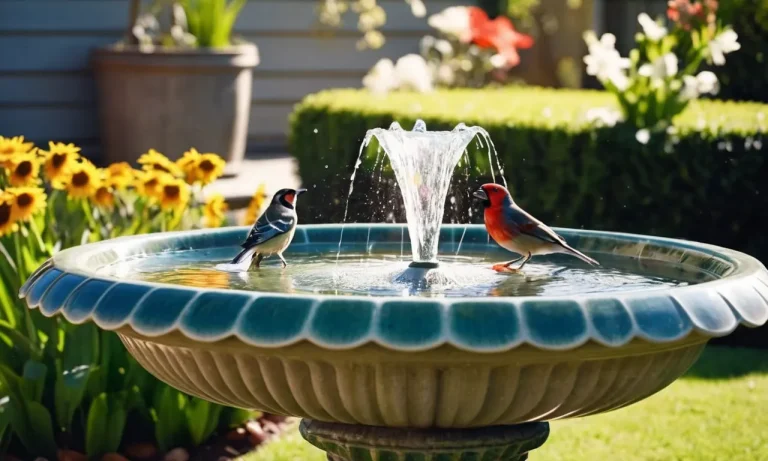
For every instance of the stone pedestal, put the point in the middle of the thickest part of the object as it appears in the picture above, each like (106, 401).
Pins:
(344, 442)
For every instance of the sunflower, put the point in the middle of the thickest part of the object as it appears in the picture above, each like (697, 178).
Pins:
(23, 169)
(173, 193)
(214, 210)
(187, 164)
(208, 168)
(28, 201)
(104, 196)
(153, 160)
(58, 159)
(8, 224)
(256, 204)
(119, 175)
(148, 183)
(10, 146)
(84, 179)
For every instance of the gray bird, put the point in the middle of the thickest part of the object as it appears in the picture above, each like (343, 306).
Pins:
(273, 231)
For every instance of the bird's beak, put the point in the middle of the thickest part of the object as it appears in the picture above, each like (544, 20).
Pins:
(480, 195)
(300, 191)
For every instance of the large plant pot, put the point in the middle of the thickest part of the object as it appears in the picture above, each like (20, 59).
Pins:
(174, 100)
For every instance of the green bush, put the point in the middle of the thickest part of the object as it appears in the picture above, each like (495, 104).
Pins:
(710, 186)
(744, 77)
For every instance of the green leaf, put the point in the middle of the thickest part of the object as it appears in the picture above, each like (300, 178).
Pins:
(96, 428)
(30, 421)
(170, 424)
(34, 380)
(77, 361)
(202, 418)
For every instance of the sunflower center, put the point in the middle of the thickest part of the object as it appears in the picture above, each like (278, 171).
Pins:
(80, 179)
(151, 183)
(24, 200)
(172, 191)
(5, 213)
(207, 165)
(24, 169)
(160, 167)
(58, 160)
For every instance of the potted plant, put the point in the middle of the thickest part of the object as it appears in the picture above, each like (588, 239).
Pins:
(185, 84)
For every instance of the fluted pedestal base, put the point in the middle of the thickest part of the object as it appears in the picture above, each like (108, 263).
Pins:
(345, 442)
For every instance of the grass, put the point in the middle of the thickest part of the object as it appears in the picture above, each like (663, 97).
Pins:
(716, 412)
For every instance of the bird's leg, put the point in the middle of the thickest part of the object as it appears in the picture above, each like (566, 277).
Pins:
(512, 270)
(259, 257)
(285, 264)
(513, 261)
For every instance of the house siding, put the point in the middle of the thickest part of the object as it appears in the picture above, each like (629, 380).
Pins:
(47, 90)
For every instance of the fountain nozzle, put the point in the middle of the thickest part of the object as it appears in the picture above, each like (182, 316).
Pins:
(424, 264)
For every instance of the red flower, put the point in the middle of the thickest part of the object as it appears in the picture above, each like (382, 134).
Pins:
(499, 34)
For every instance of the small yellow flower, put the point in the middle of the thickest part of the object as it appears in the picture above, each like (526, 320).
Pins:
(148, 183)
(8, 224)
(11, 146)
(174, 193)
(208, 168)
(58, 159)
(213, 212)
(28, 201)
(104, 196)
(256, 205)
(23, 169)
(84, 179)
(153, 160)
(119, 175)
(187, 164)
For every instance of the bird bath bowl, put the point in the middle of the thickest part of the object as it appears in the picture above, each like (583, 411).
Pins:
(409, 375)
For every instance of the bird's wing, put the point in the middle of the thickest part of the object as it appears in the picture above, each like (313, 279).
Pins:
(268, 227)
(526, 224)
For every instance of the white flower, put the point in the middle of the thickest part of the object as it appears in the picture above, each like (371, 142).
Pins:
(498, 61)
(417, 8)
(723, 44)
(381, 78)
(454, 21)
(444, 47)
(604, 62)
(661, 68)
(412, 72)
(426, 43)
(603, 116)
(445, 74)
(703, 83)
(651, 28)
(643, 136)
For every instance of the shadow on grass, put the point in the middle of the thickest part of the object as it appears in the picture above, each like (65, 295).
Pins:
(721, 362)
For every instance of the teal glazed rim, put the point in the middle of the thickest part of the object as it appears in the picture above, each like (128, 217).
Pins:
(70, 284)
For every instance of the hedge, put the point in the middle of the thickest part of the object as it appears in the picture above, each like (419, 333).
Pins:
(744, 77)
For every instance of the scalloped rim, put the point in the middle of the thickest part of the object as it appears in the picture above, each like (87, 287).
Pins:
(711, 308)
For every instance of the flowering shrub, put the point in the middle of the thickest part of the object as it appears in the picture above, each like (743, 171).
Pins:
(86, 384)
(661, 75)
(471, 50)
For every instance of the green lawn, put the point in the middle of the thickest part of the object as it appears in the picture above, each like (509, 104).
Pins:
(717, 412)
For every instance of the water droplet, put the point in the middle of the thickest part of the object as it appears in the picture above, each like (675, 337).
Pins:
(453, 200)
(420, 126)
(326, 167)
(395, 127)
(315, 130)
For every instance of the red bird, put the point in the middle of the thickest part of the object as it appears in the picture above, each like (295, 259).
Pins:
(519, 232)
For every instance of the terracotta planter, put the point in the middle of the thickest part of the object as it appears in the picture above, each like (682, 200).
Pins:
(173, 100)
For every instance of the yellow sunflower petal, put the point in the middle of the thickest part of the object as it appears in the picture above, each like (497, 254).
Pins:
(8, 220)
(208, 168)
(84, 179)
(153, 160)
(256, 205)
(59, 158)
(23, 169)
(214, 210)
(28, 201)
(173, 193)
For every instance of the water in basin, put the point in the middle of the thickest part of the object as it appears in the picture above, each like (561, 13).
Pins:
(378, 274)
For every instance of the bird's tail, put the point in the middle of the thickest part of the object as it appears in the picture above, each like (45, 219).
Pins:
(243, 255)
(581, 255)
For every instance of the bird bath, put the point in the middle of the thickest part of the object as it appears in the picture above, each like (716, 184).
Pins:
(470, 365)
